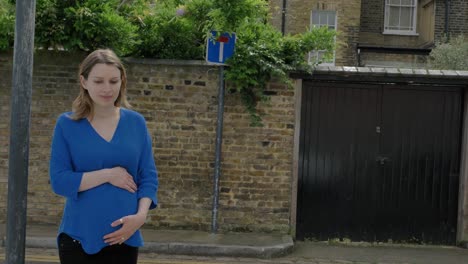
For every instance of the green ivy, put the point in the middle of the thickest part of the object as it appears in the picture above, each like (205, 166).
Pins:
(263, 53)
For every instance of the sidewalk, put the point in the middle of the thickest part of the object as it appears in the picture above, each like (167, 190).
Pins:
(183, 242)
(382, 254)
(269, 248)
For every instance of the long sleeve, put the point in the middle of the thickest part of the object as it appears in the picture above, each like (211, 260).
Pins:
(147, 173)
(77, 148)
(64, 180)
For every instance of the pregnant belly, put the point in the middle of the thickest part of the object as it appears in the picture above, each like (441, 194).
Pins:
(107, 203)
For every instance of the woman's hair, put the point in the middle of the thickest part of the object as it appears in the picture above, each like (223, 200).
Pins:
(83, 104)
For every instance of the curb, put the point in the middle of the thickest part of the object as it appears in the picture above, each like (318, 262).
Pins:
(186, 248)
(200, 249)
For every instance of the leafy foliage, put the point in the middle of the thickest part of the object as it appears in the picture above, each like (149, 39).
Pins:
(80, 25)
(229, 16)
(96, 25)
(262, 53)
(166, 35)
(7, 25)
(176, 29)
(450, 55)
(49, 31)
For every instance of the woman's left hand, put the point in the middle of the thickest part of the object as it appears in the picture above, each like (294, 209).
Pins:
(130, 224)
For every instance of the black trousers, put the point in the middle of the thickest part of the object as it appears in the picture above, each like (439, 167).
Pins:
(71, 252)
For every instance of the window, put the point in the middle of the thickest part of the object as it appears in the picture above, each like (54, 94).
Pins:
(322, 18)
(400, 17)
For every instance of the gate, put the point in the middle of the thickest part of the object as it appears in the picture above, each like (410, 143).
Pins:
(379, 162)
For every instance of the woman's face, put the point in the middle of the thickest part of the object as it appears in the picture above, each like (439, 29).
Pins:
(103, 84)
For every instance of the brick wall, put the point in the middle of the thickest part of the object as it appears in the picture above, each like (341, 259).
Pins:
(377, 59)
(5, 79)
(372, 18)
(5, 86)
(53, 92)
(372, 23)
(276, 13)
(180, 105)
(458, 18)
(348, 19)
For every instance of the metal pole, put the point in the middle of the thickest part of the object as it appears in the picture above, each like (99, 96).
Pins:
(219, 140)
(19, 131)
(283, 18)
(447, 14)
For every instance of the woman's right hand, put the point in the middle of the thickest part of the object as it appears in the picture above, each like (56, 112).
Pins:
(119, 177)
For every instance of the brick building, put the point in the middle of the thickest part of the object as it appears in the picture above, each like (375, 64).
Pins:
(377, 32)
(341, 15)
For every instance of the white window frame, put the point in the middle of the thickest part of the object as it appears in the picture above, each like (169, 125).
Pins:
(315, 55)
(412, 30)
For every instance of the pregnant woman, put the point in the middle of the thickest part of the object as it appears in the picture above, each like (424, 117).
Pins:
(102, 162)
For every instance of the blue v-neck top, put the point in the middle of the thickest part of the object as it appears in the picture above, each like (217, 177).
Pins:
(77, 148)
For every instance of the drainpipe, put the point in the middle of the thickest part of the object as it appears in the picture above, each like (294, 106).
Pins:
(358, 52)
(283, 17)
(447, 9)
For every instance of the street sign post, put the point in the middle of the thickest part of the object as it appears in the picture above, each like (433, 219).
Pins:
(219, 48)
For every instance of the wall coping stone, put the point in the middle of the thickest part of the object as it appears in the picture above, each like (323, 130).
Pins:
(149, 61)
(394, 71)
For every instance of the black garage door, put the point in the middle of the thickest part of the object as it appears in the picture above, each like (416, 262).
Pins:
(379, 162)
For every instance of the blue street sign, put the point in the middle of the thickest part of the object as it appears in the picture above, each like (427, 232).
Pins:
(220, 48)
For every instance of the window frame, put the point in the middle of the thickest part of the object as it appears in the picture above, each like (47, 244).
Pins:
(313, 56)
(411, 32)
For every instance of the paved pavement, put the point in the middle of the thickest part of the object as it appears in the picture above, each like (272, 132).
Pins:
(169, 246)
